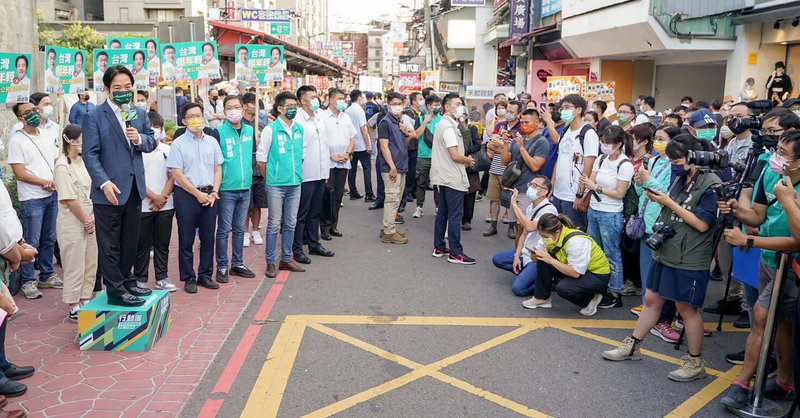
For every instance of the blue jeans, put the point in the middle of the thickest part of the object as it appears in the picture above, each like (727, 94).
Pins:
(565, 208)
(524, 282)
(605, 228)
(451, 210)
(233, 209)
(283, 203)
(39, 230)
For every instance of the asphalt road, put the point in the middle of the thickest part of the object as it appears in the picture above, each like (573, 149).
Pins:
(450, 340)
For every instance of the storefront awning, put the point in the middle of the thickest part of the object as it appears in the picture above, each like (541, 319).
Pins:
(770, 11)
(517, 39)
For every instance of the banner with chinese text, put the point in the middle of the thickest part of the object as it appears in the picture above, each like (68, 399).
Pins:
(408, 83)
(190, 61)
(558, 87)
(148, 45)
(103, 58)
(15, 77)
(64, 70)
(259, 64)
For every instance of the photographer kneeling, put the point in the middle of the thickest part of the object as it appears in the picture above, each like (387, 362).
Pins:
(682, 244)
(767, 213)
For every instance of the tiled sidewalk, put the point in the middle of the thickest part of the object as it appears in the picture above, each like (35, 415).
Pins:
(71, 383)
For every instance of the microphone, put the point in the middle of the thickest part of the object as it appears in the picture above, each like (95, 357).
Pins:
(126, 108)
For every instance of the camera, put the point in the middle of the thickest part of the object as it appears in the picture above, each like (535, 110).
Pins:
(759, 107)
(715, 160)
(661, 233)
(726, 191)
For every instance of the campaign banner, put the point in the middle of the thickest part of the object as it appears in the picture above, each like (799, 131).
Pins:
(558, 87)
(64, 70)
(189, 61)
(430, 79)
(148, 45)
(602, 90)
(408, 83)
(103, 58)
(15, 77)
(259, 63)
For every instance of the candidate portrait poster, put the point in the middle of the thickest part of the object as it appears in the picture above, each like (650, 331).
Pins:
(103, 58)
(64, 70)
(259, 63)
(15, 77)
(148, 45)
(190, 61)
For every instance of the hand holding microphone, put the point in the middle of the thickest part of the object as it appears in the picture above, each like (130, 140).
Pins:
(130, 132)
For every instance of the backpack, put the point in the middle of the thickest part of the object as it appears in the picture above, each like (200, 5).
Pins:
(567, 238)
(656, 119)
(602, 158)
(584, 129)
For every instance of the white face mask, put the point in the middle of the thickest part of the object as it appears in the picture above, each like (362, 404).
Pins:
(396, 109)
(501, 112)
(796, 112)
(607, 149)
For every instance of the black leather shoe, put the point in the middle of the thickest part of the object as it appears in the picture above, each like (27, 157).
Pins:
(222, 275)
(126, 299)
(325, 236)
(15, 372)
(137, 291)
(190, 286)
(242, 271)
(12, 389)
(376, 206)
(369, 198)
(302, 258)
(356, 196)
(335, 232)
(321, 251)
(207, 283)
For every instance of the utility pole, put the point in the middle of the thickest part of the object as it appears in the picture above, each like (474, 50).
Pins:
(430, 33)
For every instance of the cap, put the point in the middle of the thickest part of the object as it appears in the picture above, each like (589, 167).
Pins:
(369, 95)
(779, 64)
(787, 104)
(701, 118)
(727, 99)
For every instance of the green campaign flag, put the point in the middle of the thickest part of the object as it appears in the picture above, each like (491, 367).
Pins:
(259, 63)
(190, 60)
(148, 45)
(64, 70)
(103, 58)
(15, 77)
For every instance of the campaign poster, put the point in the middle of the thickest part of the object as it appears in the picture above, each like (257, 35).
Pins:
(259, 63)
(602, 90)
(408, 83)
(15, 77)
(64, 70)
(190, 61)
(103, 58)
(430, 79)
(148, 45)
(558, 87)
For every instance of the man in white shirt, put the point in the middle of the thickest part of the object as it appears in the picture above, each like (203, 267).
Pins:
(316, 170)
(32, 157)
(648, 112)
(577, 150)
(212, 110)
(499, 97)
(362, 150)
(341, 141)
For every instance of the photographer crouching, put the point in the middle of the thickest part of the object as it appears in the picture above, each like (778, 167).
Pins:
(767, 213)
(682, 244)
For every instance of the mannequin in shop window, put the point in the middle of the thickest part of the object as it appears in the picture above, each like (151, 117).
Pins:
(779, 85)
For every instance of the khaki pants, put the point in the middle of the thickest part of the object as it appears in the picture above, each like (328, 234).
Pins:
(78, 255)
(393, 191)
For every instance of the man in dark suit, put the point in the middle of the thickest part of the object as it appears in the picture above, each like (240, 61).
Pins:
(114, 136)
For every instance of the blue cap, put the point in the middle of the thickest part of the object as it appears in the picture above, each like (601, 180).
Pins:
(370, 95)
(701, 118)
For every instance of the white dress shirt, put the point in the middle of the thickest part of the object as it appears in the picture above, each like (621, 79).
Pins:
(316, 155)
(341, 132)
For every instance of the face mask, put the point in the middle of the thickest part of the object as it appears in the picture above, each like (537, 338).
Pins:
(33, 120)
(435, 110)
(421, 104)
(234, 115)
(607, 149)
(549, 242)
(567, 116)
(706, 134)
(776, 163)
(526, 129)
(157, 133)
(796, 112)
(725, 132)
(262, 113)
(141, 105)
(636, 146)
(314, 105)
(341, 105)
(460, 112)
(396, 109)
(532, 193)
(501, 112)
(291, 112)
(47, 112)
(195, 125)
(510, 116)
(660, 147)
(678, 170)
(122, 97)
(622, 119)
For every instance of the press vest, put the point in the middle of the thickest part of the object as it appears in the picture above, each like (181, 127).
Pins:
(237, 155)
(445, 171)
(285, 158)
(598, 263)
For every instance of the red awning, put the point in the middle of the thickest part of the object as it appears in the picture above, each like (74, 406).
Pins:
(518, 39)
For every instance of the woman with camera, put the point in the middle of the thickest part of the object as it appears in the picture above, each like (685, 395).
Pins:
(682, 244)
(572, 259)
(611, 176)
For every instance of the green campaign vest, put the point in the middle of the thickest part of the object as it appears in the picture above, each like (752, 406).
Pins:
(598, 263)
(285, 159)
(776, 224)
(237, 154)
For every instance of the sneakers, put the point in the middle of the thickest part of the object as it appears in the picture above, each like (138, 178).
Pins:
(610, 301)
(461, 259)
(779, 391)
(736, 397)
(629, 289)
(242, 271)
(692, 369)
(636, 310)
(512, 232)
(627, 350)
(591, 308)
(73, 313)
(417, 212)
(466, 226)
(222, 275)
(166, 284)
(735, 358)
(395, 238)
(664, 331)
(30, 291)
(257, 240)
(142, 285)
(440, 253)
(246, 240)
(534, 303)
(398, 219)
(52, 282)
(489, 232)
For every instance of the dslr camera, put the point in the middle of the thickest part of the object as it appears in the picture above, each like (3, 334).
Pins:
(661, 232)
(714, 160)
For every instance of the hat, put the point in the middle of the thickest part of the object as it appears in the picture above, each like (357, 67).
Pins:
(701, 118)
(779, 64)
(727, 99)
(787, 104)
(370, 95)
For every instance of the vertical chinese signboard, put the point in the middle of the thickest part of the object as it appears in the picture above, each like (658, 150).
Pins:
(15, 77)
(519, 17)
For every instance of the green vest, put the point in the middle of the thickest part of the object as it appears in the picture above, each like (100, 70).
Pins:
(775, 224)
(423, 150)
(598, 263)
(237, 154)
(285, 159)
(689, 249)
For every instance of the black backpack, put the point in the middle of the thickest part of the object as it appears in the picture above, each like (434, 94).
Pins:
(584, 129)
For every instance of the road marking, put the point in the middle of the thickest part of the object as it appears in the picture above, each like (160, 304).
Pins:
(700, 399)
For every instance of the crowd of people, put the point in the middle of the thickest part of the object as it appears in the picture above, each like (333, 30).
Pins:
(595, 209)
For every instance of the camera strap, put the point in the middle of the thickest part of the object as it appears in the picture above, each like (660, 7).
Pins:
(687, 189)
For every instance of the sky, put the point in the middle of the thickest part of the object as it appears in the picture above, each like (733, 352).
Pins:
(356, 13)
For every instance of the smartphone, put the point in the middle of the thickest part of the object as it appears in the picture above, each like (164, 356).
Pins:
(649, 190)
(785, 173)
(646, 163)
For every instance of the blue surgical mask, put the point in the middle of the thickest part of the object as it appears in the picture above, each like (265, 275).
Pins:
(262, 113)
(341, 105)
(567, 116)
(314, 105)
(707, 134)
(678, 170)
(435, 111)
(532, 193)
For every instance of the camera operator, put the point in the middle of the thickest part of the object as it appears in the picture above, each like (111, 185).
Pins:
(682, 244)
(767, 213)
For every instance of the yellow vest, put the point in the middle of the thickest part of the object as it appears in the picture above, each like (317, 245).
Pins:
(598, 264)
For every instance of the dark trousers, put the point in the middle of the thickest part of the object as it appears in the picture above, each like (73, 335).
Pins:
(578, 291)
(337, 178)
(630, 260)
(411, 183)
(565, 208)
(451, 210)
(307, 228)
(484, 182)
(362, 157)
(4, 364)
(117, 238)
(469, 207)
(154, 234)
(191, 216)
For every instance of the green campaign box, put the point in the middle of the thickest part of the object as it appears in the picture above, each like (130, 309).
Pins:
(105, 327)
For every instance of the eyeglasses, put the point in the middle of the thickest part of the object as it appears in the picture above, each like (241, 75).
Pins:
(537, 186)
(191, 117)
(623, 112)
(30, 112)
(773, 131)
(567, 107)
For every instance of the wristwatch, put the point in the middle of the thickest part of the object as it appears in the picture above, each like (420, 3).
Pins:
(578, 195)
(599, 190)
(750, 241)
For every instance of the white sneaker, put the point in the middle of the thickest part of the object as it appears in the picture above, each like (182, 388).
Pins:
(257, 240)
(417, 212)
(534, 303)
(142, 285)
(166, 284)
(591, 308)
(246, 240)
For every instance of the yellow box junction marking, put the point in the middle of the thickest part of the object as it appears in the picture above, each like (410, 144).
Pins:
(268, 391)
